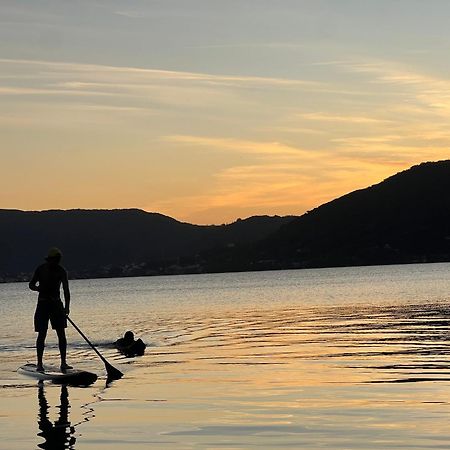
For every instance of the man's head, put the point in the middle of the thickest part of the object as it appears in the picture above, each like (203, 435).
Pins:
(54, 255)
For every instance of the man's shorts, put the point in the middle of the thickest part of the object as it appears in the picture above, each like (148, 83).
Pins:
(49, 310)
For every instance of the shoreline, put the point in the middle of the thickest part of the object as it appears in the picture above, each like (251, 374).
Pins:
(24, 278)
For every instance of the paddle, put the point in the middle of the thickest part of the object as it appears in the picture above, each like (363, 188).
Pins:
(113, 373)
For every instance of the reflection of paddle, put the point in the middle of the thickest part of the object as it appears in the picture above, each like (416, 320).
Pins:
(113, 373)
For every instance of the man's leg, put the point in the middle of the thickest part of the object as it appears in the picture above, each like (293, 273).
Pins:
(40, 346)
(62, 342)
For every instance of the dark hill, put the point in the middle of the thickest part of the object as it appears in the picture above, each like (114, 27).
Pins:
(116, 242)
(405, 218)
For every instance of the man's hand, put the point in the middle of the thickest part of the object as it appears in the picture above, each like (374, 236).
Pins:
(67, 310)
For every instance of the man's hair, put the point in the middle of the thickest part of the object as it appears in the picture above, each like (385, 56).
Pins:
(54, 255)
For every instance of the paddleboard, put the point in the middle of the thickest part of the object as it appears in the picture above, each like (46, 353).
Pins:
(54, 374)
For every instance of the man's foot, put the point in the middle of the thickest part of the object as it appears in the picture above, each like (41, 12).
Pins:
(65, 366)
(39, 368)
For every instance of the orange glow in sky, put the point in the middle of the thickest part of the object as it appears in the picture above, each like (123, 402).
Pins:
(217, 110)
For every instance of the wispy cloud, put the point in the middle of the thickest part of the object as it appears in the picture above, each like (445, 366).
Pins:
(131, 14)
(4, 90)
(116, 87)
(256, 45)
(428, 90)
(274, 149)
(324, 117)
(151, 74)
(283, 176)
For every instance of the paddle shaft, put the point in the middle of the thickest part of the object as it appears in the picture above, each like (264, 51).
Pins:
(86, 339)
(115, 373)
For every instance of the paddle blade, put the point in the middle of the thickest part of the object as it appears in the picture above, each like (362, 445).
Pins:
(113, 373)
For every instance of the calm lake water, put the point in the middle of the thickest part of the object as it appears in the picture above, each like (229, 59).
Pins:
(348, 358)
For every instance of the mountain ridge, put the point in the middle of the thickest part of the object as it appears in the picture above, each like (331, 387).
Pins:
(403, 219)
(99, 242)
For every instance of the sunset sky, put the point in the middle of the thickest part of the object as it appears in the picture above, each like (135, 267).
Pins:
(210, 110)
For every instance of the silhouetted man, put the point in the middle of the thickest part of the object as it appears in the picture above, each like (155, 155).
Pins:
(47, 280)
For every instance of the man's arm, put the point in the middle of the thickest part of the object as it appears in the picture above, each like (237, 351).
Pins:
(33, 282)
(65, 285)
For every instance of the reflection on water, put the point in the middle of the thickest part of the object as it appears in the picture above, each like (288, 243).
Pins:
(60, 434)
(388, 343)
(351, 358)
(334, 377)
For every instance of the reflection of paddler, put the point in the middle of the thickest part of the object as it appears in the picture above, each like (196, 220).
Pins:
(130, 347)
(60, 435)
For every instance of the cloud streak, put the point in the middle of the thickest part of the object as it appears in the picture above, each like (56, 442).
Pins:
(324, 117)
(285, 177)
(137, 74)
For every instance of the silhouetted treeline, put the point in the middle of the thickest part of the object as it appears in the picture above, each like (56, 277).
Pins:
(103, 243)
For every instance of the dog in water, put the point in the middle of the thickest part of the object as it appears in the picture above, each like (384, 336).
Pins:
(129, 346)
